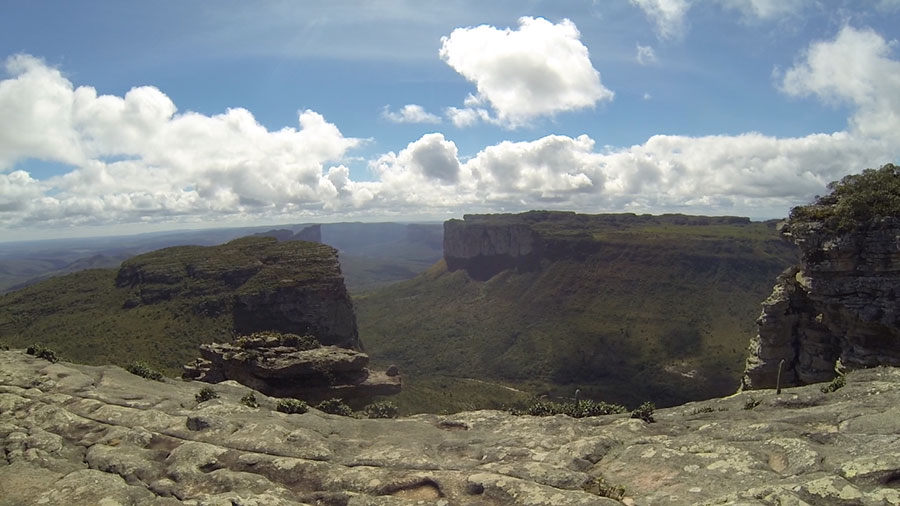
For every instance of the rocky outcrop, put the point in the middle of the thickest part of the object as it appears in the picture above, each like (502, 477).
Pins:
(292, 366)
(290, 286)
(838, 308)
(74, 434)
(486, 244)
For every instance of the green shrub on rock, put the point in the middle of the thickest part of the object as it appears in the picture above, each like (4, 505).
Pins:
(249, 400)
(579, 409)
(143, 370)
(335, 407)
(837, 383)
(644, 412)
(382, 409)
(41, 352)
(205, 394)
(855, 200)
(292, 406)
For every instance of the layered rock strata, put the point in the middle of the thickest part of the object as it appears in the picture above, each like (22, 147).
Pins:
(838, 309)
(73, 434)
(264, 284)
(278, 368)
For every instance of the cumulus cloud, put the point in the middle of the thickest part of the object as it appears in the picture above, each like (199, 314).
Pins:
(541, 69)
(137, 158)
(855, 68)
(645, 55)
(410, 113)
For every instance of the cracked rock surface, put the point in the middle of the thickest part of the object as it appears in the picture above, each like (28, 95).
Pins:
(74, 434)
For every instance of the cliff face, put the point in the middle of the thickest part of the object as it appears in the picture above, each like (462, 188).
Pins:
(840, 303)
(293, 286)
(486, 244)
(484, 249)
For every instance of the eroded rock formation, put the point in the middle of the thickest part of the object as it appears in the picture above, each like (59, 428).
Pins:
(839, 307)
(74, 434)
(292, 366)
(289, 286)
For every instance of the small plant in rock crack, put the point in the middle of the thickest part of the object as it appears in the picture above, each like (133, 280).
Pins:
(41, 352)
(292, 406)
(249, 400)
(603, 489)
(143, 370)
(205, 394)
(382, 409)
(837, 383)
(644, 412)
(335, 407)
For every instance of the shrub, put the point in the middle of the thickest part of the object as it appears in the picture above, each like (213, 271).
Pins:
(836, 384)
(205, 394)
(143, 370)
(751, 403)
(578, 409)
(382, 409)
(41, 352)
(855, 200)
(335, 407)
(291, 406)
(249, 400)
(305, 342)
(644, 412)
(603, 489)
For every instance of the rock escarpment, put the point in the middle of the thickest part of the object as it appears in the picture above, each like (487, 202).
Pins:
(486, 244)
(292, 366)
(74, 434)
(264, 284)
(839, 307)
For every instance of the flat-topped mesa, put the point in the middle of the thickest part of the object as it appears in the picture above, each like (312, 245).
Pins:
(486, 244)
(839, 308)
(264, 284)
(287, 365)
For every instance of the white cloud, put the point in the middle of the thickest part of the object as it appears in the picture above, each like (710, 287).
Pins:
(137, 158)
(855, 68)
(538, 70)
(670, 16)
(410, 113)
(645, 55)
(765, 9)
(667, 15)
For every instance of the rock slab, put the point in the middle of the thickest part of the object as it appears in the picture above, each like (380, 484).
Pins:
(74, 434)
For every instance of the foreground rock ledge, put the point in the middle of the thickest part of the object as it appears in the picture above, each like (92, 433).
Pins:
(74, 434)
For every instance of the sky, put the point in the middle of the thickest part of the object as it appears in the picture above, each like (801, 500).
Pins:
(128, 117)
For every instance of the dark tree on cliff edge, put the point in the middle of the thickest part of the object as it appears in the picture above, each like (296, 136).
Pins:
(855, 200)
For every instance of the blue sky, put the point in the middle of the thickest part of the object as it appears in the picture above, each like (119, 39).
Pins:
(128, 117)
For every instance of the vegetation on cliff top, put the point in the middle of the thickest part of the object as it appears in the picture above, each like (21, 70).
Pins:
(854, 201)
(158, 307)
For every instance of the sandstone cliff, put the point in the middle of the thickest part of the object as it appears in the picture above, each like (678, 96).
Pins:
(838, 309)
(484, 245)
(291, 286)
(74, 434)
